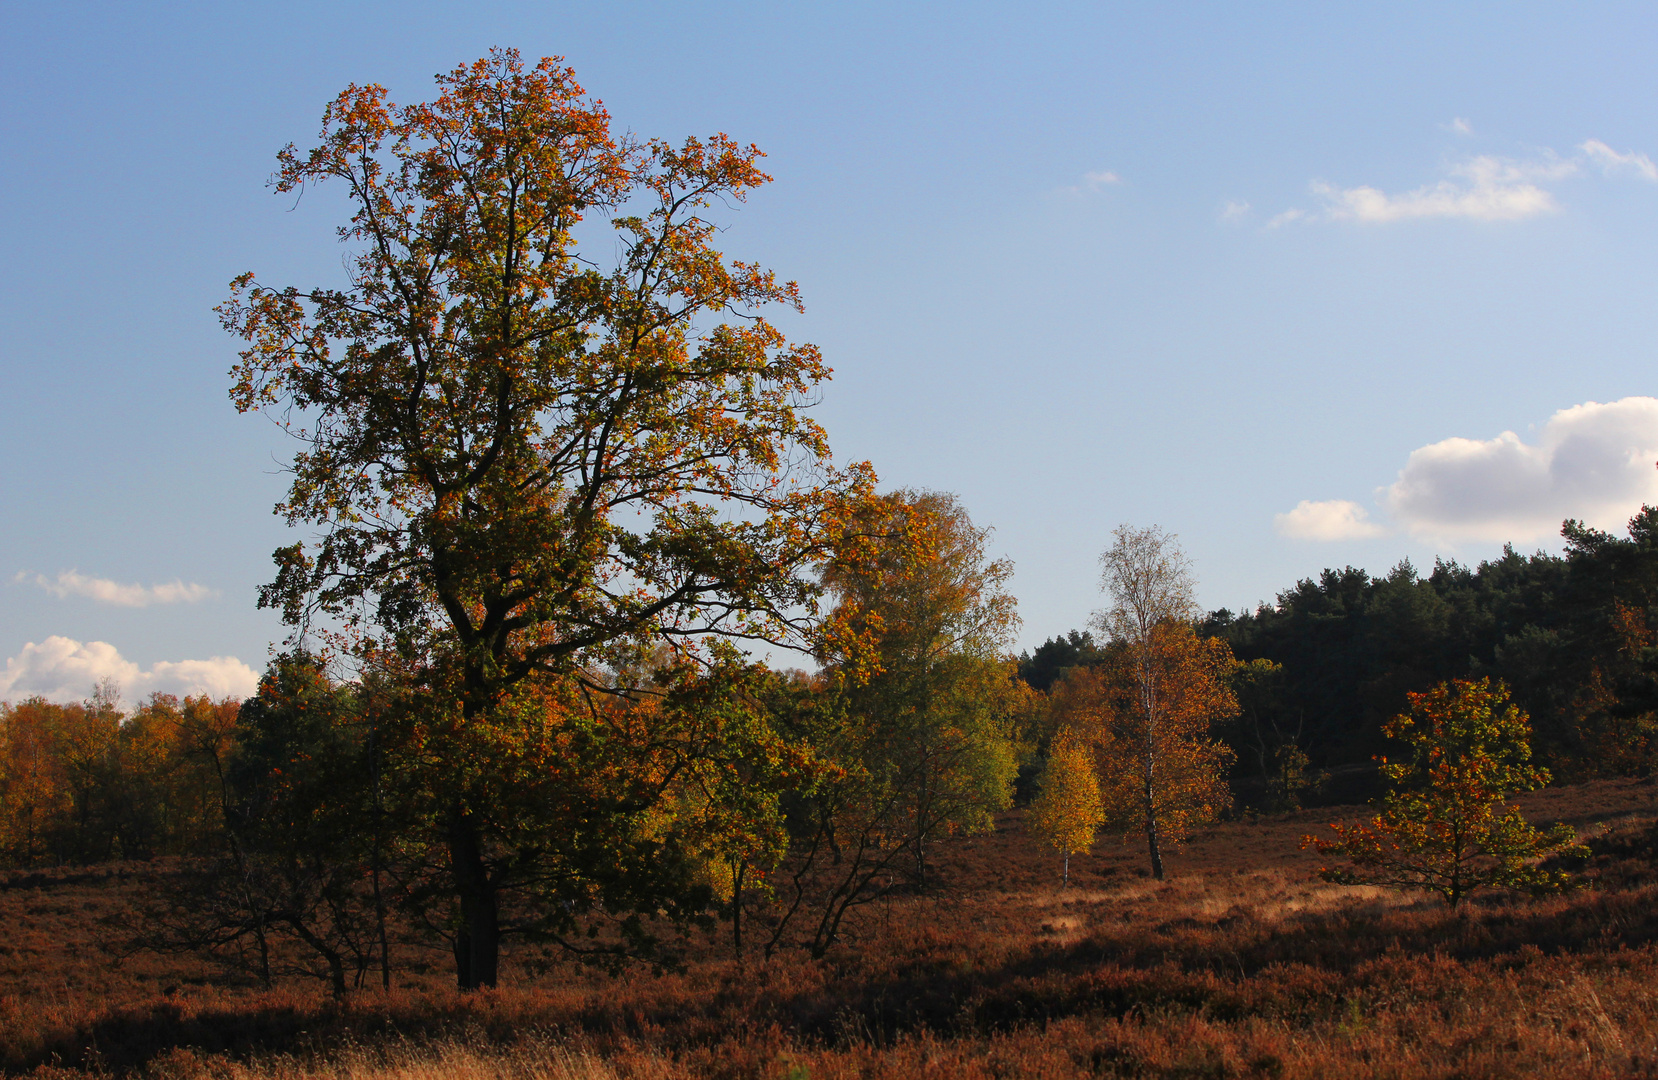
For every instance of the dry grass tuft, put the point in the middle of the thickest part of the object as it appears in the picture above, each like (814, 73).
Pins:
(531, 1058)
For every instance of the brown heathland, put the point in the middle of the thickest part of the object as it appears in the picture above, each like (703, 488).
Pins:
(1240, 964)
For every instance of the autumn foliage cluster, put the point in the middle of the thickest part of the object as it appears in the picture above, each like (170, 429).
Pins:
(1441, 828)
(89, 783)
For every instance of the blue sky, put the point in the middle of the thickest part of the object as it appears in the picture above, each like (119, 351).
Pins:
(1239, 271)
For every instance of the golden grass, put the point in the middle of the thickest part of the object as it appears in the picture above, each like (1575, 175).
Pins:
(532, 1058)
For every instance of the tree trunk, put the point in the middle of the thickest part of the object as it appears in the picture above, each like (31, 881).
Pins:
(336, 972)
(334, 958)
(1151, 814)
(1065, 877)
(737, 910)
(264, 951)
(379, 900)
(1148, 703)
(478, 942)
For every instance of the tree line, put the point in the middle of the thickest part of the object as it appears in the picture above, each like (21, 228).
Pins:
(696, 793)
(1332, 660)
(660, 796)
(86, 782)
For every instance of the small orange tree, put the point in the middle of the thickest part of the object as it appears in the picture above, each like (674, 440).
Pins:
(1067, 812)
(1442, 829)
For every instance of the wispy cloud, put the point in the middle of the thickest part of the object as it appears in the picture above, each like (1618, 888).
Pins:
(1483, 189)
(1610, 161)
(1333, 519)
(1234, 210)
(72, 583)
(1480, 188)
(1093, 182)
(63, 669)
(1459, 126)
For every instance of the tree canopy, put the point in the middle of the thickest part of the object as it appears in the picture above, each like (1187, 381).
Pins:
(526, 456)
(1443, 827)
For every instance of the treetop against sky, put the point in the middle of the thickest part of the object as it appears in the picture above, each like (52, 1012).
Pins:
(1304, 286)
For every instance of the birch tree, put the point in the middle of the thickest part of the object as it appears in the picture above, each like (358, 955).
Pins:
(920, 704)
(1066, 813)
(1163, 770)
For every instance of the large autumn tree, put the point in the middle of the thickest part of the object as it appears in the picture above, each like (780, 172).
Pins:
(519, 448)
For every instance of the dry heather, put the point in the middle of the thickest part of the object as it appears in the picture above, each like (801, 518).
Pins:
(1240, 965)
(531, 1058)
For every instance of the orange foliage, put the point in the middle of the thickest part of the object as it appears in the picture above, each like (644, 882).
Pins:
(1148, 712)
(83, 783)
(1444, 827)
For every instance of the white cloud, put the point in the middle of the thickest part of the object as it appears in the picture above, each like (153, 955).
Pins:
(1334, 519)
(105, 591)
(1481, 188)
(63, 669)
(1593, 462)
(1234, 210)
(1460, 126)
(1611, 161)
(1485, 189)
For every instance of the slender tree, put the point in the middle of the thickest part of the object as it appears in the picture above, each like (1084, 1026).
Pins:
(1067, 812)
(1162, 771)
(921, 701)
(1164, 774)
(921, 620)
